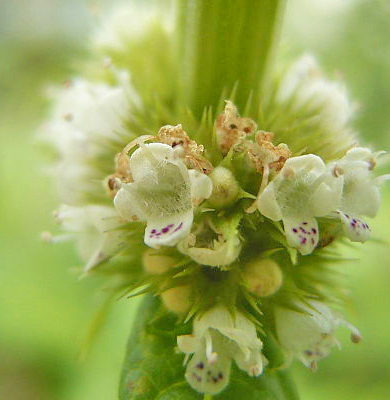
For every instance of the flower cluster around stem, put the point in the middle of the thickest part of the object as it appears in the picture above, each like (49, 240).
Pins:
(231, 220)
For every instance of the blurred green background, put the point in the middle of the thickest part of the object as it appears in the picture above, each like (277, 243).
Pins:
(45, 310)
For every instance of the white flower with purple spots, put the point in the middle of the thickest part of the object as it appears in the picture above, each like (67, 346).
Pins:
(309, 335)
(303, 189)
(217, 339)
(163, 194)
(361, 195)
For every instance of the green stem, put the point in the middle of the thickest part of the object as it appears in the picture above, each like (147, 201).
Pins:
(223, 44)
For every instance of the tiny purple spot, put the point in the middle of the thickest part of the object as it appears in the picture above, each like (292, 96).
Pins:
(153, 231)
(295, 230)
(302, 230)
(165, 230)
(303, 241)
(314, 230)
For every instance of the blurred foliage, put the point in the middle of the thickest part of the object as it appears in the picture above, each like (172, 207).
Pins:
(45, 311)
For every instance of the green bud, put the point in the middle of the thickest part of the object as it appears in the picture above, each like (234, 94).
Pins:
(263, 277)
(225, 188)
(154, 263)
(177, 299)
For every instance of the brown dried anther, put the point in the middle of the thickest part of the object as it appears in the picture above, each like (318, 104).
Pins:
(266, 158)
(191, 152)
(122, 172)
(264, 153)
(121, 175)
(231, 128)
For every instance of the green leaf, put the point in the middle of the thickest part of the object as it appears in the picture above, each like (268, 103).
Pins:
(153, 370)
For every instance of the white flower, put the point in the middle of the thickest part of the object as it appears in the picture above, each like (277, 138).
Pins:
(305, 87)
(163, 194)
(85, 116)
(217, 339)
(128, 23)
(310, 335)
(361, 194)
(303, 189)
(95, 230)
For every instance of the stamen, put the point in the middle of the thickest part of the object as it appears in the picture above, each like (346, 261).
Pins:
(210, 355)
(264, 183)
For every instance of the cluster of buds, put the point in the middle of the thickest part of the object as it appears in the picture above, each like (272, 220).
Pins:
(220, 227)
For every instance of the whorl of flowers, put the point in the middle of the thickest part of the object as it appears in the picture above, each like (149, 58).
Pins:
(232, 220)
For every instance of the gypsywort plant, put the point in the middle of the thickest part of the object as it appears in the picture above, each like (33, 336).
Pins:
(219, 185)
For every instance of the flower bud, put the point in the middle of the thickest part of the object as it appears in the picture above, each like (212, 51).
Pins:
(155, 263)
(177, 299)
(263, 277)
(225, 188)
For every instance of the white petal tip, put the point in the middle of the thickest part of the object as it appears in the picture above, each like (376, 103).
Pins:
(169, 232)
(303, 235)
(208, 378)
(354, 228)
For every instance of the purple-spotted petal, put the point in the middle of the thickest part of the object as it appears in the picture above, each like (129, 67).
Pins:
(208, 377)
(301, 233)
(168, 231)
(354, 228)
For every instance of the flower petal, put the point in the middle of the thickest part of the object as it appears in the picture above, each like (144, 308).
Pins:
(150, 160)
(327, 196)
(127, 203)
(201, 186)
(361, 197)
(301, 233)
(358, 154)
(208, 377)
(223, 253)
(354, 228)
(96, 230)
(169, 230)
(268, 205)
(188, 343)
(291, 192)
(252, 365)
